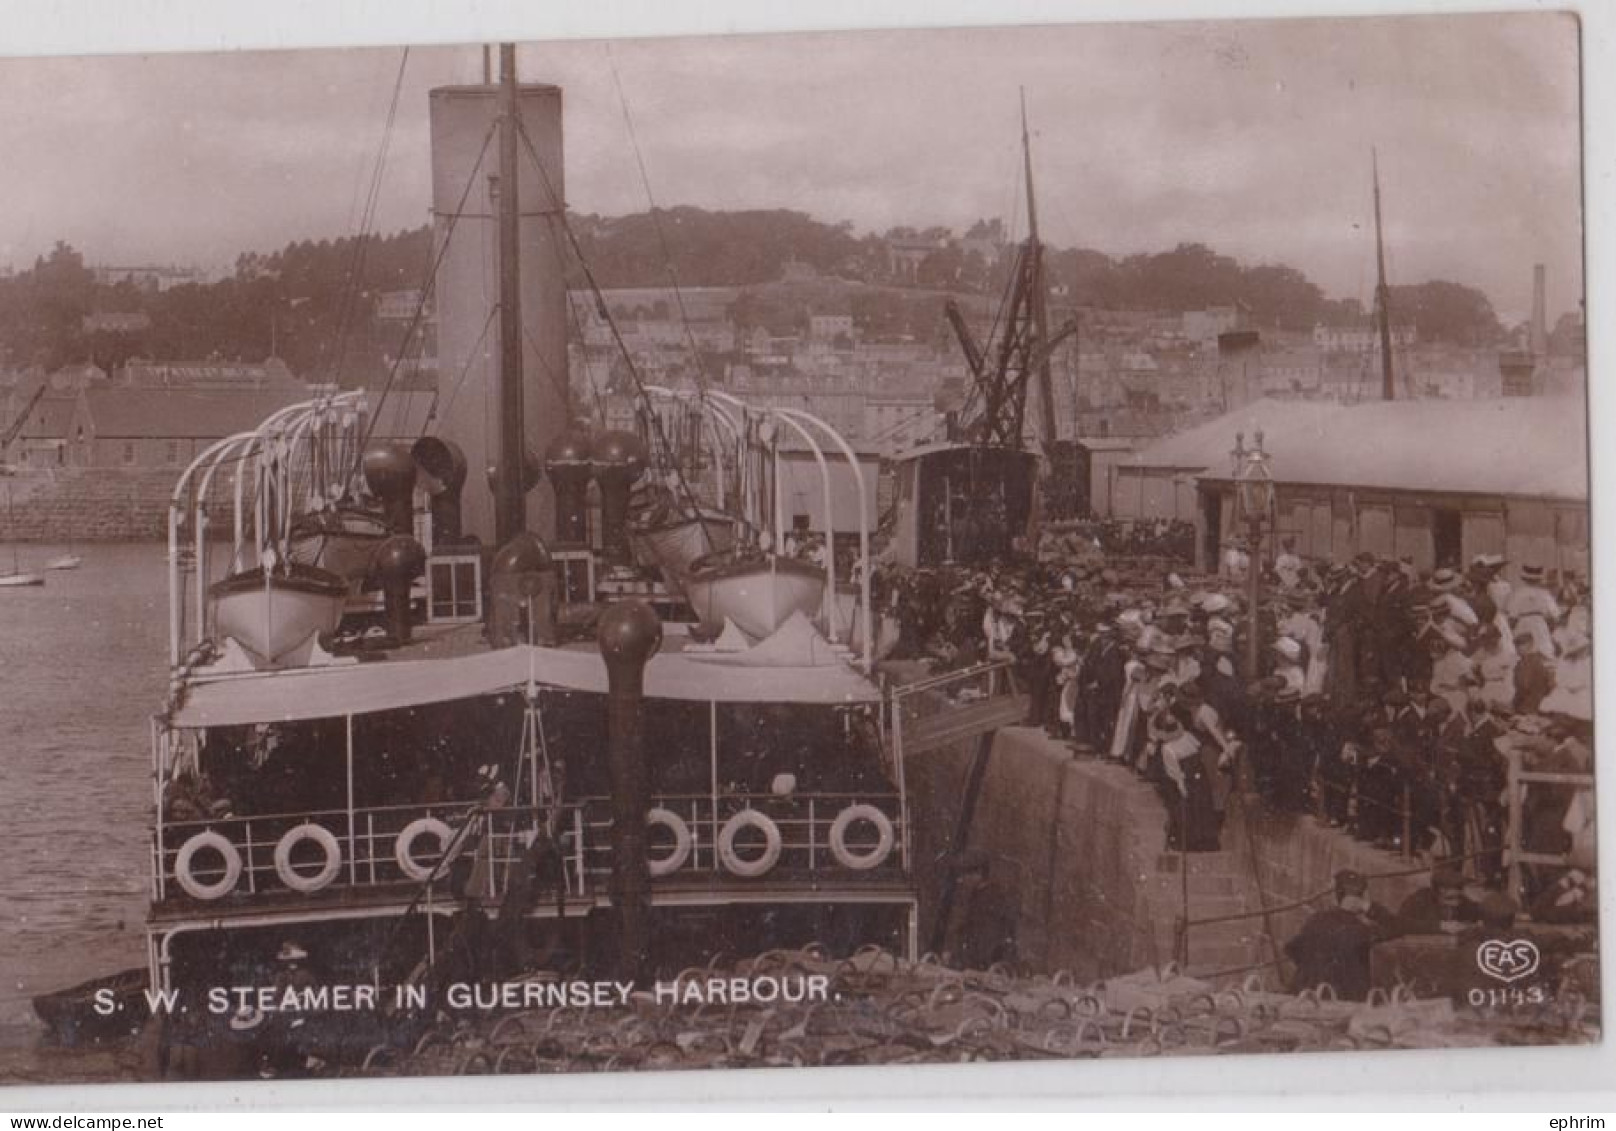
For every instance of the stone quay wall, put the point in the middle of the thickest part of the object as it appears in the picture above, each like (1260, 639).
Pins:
(1078, 875)
(97, 504)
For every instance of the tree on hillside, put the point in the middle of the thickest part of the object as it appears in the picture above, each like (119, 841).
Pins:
(1280, 296)
(60, 291)
(1447, 312)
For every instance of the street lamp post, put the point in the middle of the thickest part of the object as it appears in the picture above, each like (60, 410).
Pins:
(1254, 494)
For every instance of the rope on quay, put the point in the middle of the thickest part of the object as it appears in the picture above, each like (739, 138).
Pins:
(877, 1008)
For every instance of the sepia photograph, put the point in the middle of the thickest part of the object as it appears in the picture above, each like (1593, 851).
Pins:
(843, 548)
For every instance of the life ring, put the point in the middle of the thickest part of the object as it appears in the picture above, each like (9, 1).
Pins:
(675, 824)
(871, 857)
(403, 849)
(758, 865)
(226, 883)
(296, 880)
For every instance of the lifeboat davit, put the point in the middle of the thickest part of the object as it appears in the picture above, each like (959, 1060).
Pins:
(275, 612)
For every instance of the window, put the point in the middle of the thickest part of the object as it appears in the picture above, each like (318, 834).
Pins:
(576, 569)
(129, 451)
(454, 589)
(173, 452)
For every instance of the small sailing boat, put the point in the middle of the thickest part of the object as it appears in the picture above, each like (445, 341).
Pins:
(69, 560)
(17, 578)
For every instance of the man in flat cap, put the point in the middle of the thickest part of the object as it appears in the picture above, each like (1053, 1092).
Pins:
(1333, 946)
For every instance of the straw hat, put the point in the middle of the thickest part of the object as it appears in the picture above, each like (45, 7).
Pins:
(1445, 580)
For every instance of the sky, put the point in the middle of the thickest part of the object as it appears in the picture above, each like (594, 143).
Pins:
(1252, 136)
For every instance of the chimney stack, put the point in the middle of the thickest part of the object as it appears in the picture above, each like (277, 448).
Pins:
(1540, 326)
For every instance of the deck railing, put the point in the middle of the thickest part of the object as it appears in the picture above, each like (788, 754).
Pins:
(751, 835)
(402, 848)
(336, 849)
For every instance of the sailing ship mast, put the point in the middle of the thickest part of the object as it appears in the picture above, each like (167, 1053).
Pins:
(510, 511)
(1040, 293)
(1022, 353)
(1388, 389)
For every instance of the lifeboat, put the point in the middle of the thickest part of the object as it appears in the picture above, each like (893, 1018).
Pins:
(674, 544)
(275, 612)
(340, 541)
(758, 593)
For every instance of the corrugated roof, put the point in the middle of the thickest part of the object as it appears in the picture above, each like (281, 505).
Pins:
(124, 413)
(1533, 446)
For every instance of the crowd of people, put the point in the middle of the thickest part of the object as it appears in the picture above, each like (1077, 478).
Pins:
(1384, 700)
(1121, 537)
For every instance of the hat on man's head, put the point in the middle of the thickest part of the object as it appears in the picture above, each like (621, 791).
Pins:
(1348, 882)
(1446, 580)
(1532, 574)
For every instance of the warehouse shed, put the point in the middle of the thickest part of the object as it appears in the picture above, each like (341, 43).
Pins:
(1438, 481)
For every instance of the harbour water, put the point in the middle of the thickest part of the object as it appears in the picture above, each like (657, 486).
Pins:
(82, 669)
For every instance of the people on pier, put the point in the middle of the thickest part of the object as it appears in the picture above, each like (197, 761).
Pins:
(1385, 700)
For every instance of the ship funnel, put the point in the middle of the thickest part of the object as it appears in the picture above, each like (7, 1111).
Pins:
(465, 203)
(618, 458)
(390, 474)
(443, 465)
(569, 465)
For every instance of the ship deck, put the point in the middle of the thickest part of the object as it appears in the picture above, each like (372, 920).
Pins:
(457, 663)
(389, 900)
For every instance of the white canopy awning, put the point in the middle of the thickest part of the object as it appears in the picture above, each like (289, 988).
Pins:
(387, 685)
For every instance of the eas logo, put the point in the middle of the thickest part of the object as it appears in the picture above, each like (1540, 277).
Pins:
(1508, 961)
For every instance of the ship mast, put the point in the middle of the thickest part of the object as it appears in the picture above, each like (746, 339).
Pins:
(1383, 316)
(510, 507)
(1040, 293)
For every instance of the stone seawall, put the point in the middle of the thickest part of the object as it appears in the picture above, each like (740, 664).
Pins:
(95, 504)
(1079, 877)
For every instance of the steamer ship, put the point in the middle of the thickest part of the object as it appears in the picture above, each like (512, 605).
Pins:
(591, 718)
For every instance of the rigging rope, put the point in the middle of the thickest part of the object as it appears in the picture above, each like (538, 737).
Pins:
(656, 223)
(426, 295)
(471, 356)
(356, 263)
(660, 437)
